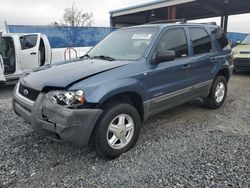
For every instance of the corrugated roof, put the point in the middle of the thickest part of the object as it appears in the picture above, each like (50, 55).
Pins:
(147, 6)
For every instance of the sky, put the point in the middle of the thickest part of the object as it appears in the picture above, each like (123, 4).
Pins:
(44, 12)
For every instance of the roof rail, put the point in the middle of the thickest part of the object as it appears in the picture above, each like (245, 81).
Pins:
(210, 23)
(183, 20)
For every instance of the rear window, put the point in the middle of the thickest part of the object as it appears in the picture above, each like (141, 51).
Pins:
(201, 41)
(221, 38)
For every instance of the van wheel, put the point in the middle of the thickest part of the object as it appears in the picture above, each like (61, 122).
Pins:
(218, 93)
(117, 130)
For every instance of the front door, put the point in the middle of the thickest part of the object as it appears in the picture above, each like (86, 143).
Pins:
(29, 53)
(169, 83)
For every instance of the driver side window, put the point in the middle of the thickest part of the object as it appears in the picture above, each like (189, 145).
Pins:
(174, 39)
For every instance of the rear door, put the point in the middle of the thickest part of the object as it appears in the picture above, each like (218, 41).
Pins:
(203, 60)
(203, 54)
(29, 53)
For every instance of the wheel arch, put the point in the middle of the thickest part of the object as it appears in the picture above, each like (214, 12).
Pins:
(223, 72)
(131, 97)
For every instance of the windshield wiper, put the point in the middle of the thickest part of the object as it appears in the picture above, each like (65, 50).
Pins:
(86, 55)
(108, 58)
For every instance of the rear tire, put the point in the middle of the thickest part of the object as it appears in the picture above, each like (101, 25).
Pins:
(118, 129)
(217, 94)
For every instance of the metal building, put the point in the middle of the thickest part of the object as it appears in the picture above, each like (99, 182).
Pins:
(177, 9)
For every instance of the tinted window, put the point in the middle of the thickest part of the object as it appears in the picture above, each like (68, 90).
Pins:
(200, 40)
(6, 47)
(174, 39)
(221, 38)
(28, 41)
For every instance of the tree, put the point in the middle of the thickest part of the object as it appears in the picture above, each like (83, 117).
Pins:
(73, 17)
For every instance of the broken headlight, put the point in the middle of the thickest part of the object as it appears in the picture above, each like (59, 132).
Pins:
(68, 98)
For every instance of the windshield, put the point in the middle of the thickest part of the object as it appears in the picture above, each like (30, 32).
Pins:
(246, 40)
(125, 44)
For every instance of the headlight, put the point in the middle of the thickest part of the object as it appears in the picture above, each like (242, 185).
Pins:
(67, 98)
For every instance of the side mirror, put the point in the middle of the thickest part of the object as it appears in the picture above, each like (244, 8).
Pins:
(166, 55)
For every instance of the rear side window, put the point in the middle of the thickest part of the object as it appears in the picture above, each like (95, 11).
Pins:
(174, 39)
(221, 38)
(201, 41)
(28, 41)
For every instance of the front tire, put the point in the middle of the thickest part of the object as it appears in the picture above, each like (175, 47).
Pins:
(217, 94)
(118, 129)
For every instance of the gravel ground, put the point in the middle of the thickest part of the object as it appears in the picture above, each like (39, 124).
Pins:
(188, 146)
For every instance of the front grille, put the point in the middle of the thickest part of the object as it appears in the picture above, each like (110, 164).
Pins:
(244, 52)
(241, 60)
(27, 92)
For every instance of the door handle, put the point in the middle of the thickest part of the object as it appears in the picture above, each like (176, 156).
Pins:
(33, 53)
(185, 67)
(213, 60)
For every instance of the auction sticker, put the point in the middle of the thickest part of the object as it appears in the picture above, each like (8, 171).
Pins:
(145, 36)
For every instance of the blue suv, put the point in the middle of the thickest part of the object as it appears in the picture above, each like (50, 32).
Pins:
(134, 73)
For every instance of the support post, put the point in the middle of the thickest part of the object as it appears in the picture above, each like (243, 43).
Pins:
(6, 27)
(172, 13)
(224, 22)
(112, 21)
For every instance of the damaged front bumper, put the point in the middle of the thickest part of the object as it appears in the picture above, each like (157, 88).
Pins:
(55, 121)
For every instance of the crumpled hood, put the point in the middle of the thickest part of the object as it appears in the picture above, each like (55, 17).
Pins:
(63, 74)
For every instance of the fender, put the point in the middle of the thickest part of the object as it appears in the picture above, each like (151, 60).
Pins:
(103, 92)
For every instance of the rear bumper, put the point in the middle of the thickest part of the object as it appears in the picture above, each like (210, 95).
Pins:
(241, 64)
(56, 122)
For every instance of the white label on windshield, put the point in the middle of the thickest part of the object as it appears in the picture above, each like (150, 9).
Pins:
(142, 36)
